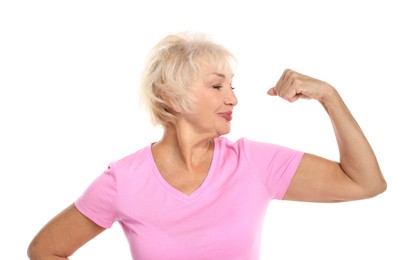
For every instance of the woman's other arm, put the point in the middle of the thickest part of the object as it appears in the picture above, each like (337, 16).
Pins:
(63, 235)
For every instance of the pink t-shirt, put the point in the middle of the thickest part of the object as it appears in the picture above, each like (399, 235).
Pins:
(222, 219)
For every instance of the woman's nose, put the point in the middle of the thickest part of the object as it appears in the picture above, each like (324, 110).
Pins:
(231, 98)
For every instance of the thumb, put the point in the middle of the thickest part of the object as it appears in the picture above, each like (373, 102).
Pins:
(272, 92)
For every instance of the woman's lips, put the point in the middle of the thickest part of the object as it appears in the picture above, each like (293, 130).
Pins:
(226, 115)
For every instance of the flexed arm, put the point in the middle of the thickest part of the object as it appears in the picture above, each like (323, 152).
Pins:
(357, 175)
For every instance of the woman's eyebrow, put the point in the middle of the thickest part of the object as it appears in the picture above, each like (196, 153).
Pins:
(220, 74)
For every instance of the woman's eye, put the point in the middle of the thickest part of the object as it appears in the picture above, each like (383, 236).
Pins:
(221, 86)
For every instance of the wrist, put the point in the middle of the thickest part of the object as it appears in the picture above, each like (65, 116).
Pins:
(331, 98)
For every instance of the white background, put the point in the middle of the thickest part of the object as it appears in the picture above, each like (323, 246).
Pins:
(69, 73)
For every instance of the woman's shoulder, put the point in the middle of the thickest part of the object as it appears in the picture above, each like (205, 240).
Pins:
(136, 158)
(244, 144)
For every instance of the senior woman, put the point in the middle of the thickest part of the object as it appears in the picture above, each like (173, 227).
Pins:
(195, 194)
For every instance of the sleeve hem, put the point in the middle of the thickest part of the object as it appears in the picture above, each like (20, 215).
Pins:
(281, 193)
(104, 224)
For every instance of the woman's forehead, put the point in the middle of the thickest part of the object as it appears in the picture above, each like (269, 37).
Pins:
(222, 69)
(213, 74)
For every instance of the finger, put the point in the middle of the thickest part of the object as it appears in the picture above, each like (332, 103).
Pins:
(272, 92)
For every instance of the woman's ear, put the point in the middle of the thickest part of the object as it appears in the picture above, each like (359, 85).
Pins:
(169, 104)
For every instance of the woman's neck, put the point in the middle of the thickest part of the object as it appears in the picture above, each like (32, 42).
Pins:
(184, 147)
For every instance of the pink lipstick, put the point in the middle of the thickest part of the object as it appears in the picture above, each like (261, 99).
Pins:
(226, 115)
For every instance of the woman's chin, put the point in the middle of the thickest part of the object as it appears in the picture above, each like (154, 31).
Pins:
(224, 131)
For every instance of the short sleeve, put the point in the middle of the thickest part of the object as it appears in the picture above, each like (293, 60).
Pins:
(98, 201)
(275, 165)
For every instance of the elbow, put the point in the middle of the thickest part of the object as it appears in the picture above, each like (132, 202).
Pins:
(381, 187)
(33, 251)
(376, 189)
(36, 251)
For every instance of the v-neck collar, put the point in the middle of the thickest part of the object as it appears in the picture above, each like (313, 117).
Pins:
(175, 192)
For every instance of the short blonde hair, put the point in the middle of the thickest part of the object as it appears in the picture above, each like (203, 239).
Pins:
(171, 67)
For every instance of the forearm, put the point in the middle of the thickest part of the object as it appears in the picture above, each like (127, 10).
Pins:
(357, 158)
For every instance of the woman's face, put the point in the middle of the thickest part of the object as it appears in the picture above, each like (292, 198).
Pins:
(213, 104)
